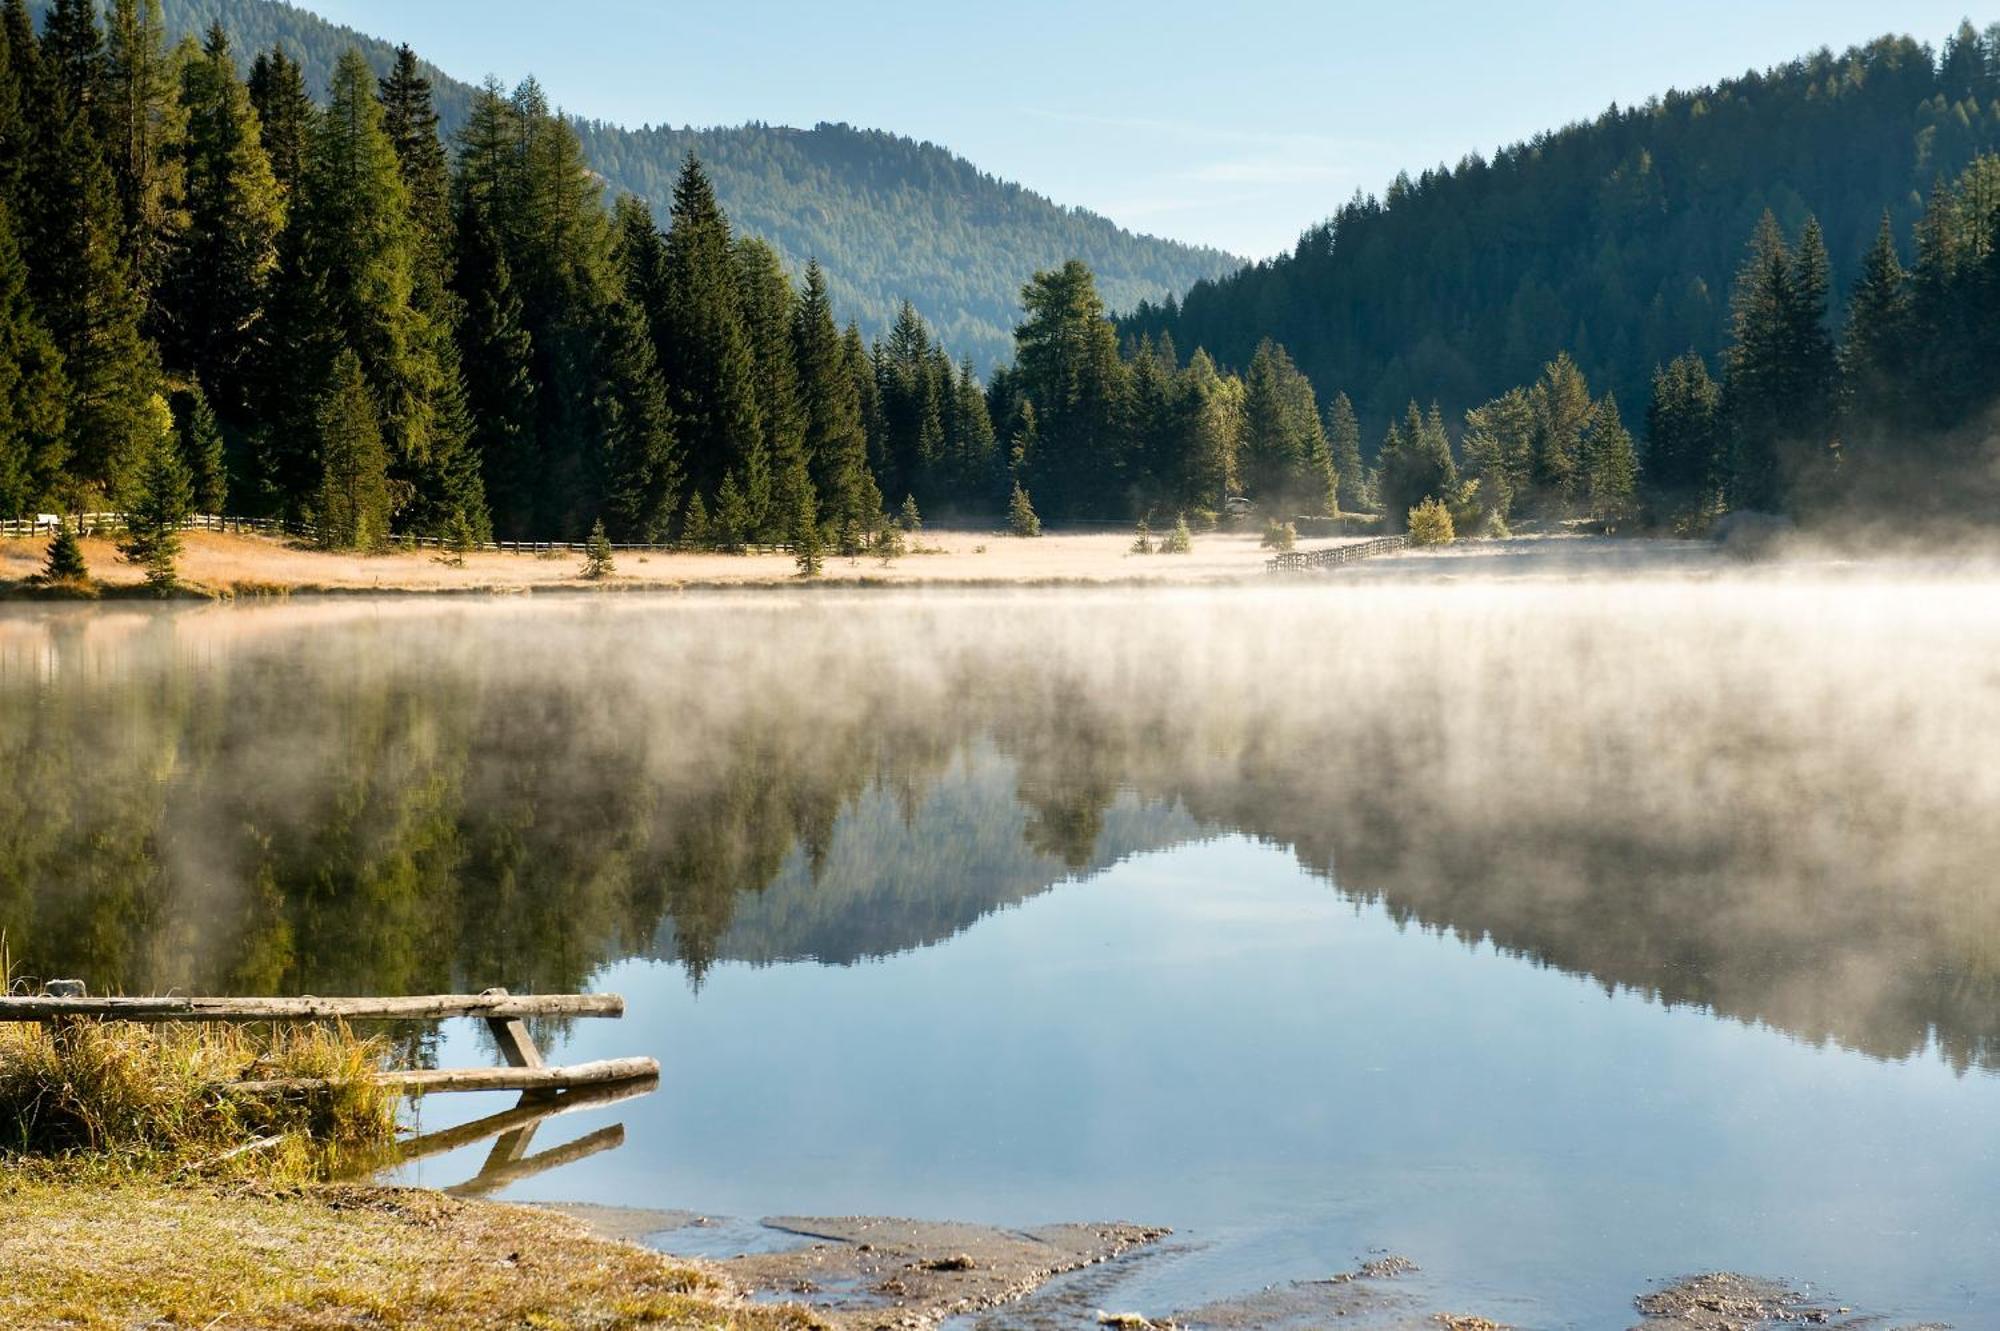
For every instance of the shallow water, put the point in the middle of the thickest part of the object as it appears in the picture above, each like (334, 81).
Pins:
(1560, 936)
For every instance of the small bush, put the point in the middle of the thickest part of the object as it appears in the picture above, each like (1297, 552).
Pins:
(1142, 544)
(1179, 541)
(1280, 536)
(1430, 524)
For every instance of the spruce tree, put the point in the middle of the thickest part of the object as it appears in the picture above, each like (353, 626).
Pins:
(1343, 439)
(410, 121)
(1284, 459)
(1613, 468)
(835, 438)
(65, 562)
(72, 57)
(499, 376)
(597, 554)
(1021, 517)
(804, 527)
(1563, 409)
(694, 523)
(354, 505)
(1778, 392)
(1685, 457)
(219, 281)
(86, 300)
(285, 114)
(32, 390)
(145, 128)
(768, 306)
(641, 466)
(1067, 365)
(1416, 465)
(1875, 355)
(163, 498)
(705, 354)
(732, 515)
(201, 448)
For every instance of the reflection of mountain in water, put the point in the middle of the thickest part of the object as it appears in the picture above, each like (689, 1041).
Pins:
(1776, 801)
(898, 877)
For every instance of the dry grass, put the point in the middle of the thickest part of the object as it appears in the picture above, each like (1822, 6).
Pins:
(155, 1099)
(229, 564)
(104, 1257)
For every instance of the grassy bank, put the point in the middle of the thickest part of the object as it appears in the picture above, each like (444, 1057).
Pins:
(98, 1251)
(136, 1189)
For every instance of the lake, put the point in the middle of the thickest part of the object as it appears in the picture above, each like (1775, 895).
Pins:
(1562, 936)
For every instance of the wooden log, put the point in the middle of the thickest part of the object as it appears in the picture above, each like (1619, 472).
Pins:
(425, 1081)
(422, 1007)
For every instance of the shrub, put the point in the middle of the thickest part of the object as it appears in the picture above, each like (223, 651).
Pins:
(1280, 535)
(1430, 524)
(1143, 543)
(1179, 541)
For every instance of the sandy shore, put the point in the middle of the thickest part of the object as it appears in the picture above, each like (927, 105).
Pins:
(230, 563)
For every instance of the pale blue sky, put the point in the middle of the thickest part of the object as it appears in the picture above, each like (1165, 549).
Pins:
(1231, 124)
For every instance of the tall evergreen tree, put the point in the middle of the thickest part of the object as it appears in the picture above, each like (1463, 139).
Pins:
(1067, 366)
(1562, 406)
(836, 440)
(285, 114)
(1778, 392)
(72, 55)
(1416, 465)
(1685, 457)
(32, 391)
(145, 127)
(704, 351)
(162, 498)
(201, 446)
(1612, 466)
(1283, 460)
(218, 283)
(1343, 441)
(354, 503)
(85, 298)
(765, 296)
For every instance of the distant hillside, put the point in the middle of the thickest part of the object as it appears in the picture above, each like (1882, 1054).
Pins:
(1616, 239)
(888, 217)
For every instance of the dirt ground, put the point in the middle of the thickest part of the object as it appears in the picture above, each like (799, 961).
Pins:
(245, 563)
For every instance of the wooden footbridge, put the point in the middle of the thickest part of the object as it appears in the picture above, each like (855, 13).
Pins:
(1333, 556)
(546, 1091)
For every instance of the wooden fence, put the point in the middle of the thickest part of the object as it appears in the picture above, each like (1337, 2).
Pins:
(108, 524)
(1333, 556)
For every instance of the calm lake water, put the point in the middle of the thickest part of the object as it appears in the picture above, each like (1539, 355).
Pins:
(1563, 937)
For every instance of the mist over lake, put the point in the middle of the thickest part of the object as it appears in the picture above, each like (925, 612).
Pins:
(1563, 936)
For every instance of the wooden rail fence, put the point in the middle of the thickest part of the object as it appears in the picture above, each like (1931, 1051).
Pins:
(1297, 561)
(501, 1011)
(106, 524)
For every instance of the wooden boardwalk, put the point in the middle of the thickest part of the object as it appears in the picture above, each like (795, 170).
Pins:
(1333, 556)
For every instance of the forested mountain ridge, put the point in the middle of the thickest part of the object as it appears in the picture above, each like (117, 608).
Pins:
(889, 218)
(1615, 239)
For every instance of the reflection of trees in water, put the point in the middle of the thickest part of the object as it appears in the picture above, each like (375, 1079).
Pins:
(1750, 811)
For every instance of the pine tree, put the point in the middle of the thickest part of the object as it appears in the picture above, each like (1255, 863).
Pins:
(72, 54)
(1021, 518)
(32, 390)
(163, 498)
(201, 449)
(1284, 458)
(1563, 408)
(694, 524)
(85, 299)
(1343, 439)
(912, 519)
(353, 509)
(1778, 392)
(768, 305)
(219, 280)
(355, 257)
(1613, 468)
(1876, 351)
(732, 515)
(285, 114)
(1067, 365)
(500, 388)
(835, 438)
(1208, 432)
(804, 527)
(597, 554)
(411, 123)
(1685, 457)
(145, 128)
(65, 562)
(705, 354)
(635, 429)
(1499, 449)
(1416, 466)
